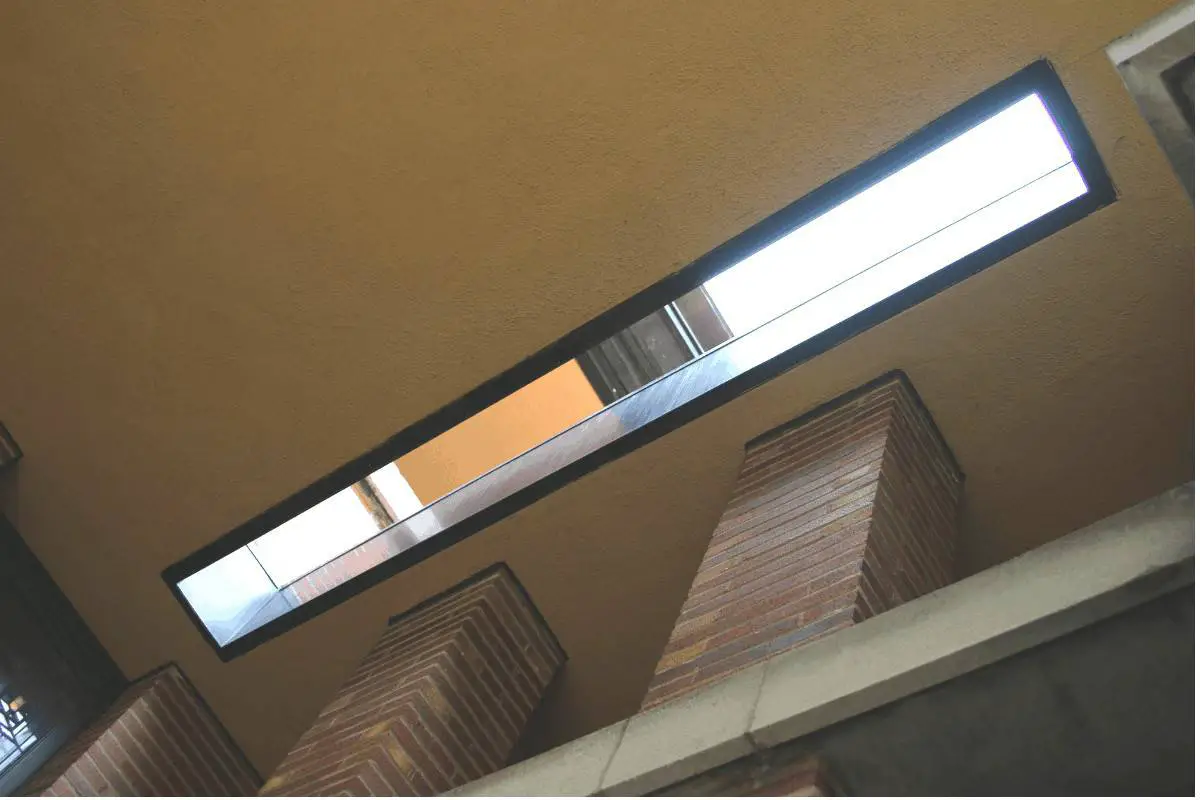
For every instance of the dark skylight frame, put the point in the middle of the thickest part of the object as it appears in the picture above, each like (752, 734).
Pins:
(682, 395)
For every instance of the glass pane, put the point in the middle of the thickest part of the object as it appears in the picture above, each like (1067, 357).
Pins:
(304, 543)
(1017, 146)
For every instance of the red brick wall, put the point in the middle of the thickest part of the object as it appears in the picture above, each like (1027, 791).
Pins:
(440, 700)
(845, 513)
(158, 739)
(346, 566)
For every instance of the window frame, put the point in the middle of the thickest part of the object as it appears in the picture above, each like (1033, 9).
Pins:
(1038, 77)
(1147, 60)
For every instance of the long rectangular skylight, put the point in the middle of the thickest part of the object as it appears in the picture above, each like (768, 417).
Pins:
(926, 217)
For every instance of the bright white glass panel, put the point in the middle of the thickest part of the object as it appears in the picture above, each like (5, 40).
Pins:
(911, 265)
(225, 592)
(306, 542)
(998, 157)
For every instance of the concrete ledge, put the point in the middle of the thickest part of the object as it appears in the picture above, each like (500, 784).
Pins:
(674, 741)
(573, 770)
(1094, 573)
(1045, 593)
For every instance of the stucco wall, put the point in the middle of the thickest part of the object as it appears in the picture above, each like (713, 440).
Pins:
(244, 242)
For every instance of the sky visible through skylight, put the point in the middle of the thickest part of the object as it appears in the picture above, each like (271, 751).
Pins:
(1005, 172)
(989, 181)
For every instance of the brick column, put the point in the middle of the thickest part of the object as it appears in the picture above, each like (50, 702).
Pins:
(440, 701)
(158, 739)
(844, 513)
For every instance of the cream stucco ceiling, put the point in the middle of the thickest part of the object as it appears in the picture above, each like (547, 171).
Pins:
(244, 242)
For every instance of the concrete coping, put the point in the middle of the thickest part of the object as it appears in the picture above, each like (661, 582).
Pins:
(1070, 583)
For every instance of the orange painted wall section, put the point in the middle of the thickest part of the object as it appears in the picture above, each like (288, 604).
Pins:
(524, 419)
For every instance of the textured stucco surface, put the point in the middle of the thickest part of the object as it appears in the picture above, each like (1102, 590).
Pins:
(242, 243)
